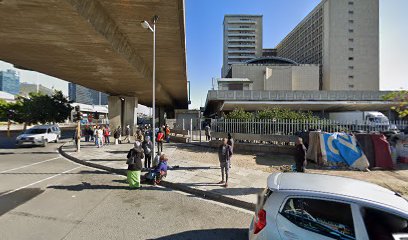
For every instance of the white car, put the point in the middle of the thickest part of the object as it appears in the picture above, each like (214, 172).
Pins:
(39, 135)
(316, 207)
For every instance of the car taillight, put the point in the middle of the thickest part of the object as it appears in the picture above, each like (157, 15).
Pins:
(260, 222)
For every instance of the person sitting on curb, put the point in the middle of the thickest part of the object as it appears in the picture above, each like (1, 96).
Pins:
(161, 169)
(224, 156)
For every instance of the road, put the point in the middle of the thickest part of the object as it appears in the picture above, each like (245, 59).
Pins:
(45, 196)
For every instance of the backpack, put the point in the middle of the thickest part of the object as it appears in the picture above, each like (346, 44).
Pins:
(147, 149)
(131, 159)
(160, 137)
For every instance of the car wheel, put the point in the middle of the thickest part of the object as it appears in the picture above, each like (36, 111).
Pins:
(45, 143)
(56, 140)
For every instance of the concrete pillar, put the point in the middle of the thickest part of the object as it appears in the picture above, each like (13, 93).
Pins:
(122, 112)
(130, 113)
(160, 115)
(115, 112)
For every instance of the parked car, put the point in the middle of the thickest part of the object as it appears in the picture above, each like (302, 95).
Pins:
(39, 135)
(315, 206)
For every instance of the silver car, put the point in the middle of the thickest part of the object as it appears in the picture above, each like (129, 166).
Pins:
(314, 206)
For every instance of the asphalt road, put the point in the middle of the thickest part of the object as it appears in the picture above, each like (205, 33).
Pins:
(44, 196)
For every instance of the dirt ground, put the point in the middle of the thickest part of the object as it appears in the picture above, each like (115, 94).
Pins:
(396, 180)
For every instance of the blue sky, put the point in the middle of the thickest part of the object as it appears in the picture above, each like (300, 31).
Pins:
(204, 39)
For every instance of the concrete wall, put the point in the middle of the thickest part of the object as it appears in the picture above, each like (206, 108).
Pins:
(351, 31)
(305, 78)
(252, 72)
(275, 77)
(280, 78)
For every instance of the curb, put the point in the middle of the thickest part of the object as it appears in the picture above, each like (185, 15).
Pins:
(176, 186)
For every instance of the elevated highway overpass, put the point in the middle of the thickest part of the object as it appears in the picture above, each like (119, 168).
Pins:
(100, 44)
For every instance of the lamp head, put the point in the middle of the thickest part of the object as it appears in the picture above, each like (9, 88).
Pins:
(145, 24)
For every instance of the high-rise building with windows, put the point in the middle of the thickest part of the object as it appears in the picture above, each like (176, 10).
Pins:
(343, 37)
(10, 82)
(80, 94)
(242, 39)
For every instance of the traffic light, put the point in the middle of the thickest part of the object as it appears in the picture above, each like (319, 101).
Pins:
(77, 114)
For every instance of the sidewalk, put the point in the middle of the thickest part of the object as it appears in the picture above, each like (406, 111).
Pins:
(192, 176)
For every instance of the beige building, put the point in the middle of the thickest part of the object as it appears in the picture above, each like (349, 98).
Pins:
(271, 73)
(342, 36)
(242, 39)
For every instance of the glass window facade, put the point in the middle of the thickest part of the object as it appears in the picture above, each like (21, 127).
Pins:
(10, 82)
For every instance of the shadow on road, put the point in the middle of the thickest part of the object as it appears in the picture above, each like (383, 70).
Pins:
(87, 186)
(53, 173)
(213, 234)
(12, 200)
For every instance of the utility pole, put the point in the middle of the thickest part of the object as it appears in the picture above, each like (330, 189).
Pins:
(78, 117)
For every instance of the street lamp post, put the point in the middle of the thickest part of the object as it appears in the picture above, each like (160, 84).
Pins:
(145, 24)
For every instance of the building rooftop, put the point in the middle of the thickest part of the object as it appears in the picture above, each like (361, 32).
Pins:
(243, 15)
(272, 60)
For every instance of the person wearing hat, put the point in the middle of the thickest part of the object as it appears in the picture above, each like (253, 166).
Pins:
(161, 169)
(134, 162)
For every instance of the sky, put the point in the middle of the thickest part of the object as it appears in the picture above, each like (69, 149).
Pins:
(204, 40)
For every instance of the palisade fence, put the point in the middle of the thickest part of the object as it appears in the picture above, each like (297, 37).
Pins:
(291, 127)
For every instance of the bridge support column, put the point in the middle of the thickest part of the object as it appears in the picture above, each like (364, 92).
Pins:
(160, 115)
(122, 112)
(130, 113)
(115, 112)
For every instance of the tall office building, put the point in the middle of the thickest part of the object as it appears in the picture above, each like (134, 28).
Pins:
(10, 82)
(242, 39)
(80, 94)
(342, 36)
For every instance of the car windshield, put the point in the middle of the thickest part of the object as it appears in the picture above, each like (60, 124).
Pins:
(35, 131)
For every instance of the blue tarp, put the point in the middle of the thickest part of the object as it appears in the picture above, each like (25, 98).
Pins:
(342, 149)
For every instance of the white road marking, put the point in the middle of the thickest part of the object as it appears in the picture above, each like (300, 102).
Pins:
(29, 165)
(45, 179)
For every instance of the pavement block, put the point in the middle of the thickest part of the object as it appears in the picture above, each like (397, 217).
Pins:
(200, 180)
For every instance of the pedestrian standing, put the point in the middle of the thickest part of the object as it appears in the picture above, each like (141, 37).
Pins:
(95, 133)
(231, 143)
(139, 136)
(167, 133)
(134, 162)
(86, 133)
(107, 134)
(224, 156)
(300, 155)
(160, 139)
(147, 146)
(117, 135)
(99, 137)
(91, 133)
(207, 130)
(127, 132)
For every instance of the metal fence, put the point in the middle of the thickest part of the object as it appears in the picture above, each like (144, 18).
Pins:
(290, 127)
